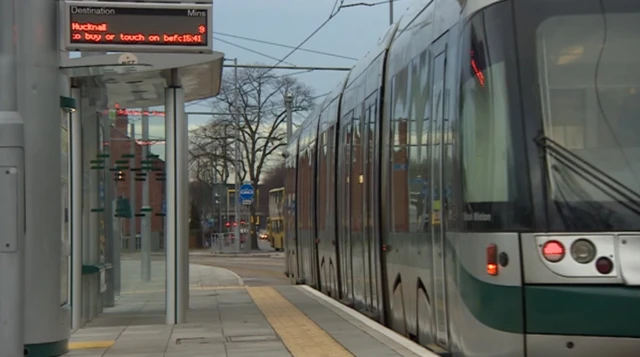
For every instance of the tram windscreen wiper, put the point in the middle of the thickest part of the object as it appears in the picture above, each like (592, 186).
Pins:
(591, 174)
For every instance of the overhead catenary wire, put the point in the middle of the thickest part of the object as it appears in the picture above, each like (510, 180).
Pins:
(284, 46)
(334, 11)
(279, 106)
(202, 101)
(369, 4)
(249, 50)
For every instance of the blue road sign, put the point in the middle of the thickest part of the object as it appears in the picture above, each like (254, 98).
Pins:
(246, 193)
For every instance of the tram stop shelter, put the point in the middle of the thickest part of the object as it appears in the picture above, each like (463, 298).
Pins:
(101, 82)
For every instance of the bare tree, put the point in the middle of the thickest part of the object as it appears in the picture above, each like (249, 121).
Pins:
(255, 100)
(211, 155)
(211, 152)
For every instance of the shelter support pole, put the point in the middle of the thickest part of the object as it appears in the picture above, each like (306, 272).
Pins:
(177, 198)
(146, 219)
(76, 212)
(109, 296)
(133, 229)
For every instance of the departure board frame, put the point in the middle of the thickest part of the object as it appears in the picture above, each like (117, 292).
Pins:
(136, 27)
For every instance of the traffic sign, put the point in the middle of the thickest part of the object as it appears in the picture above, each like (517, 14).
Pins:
(246, 194)
(135, 27)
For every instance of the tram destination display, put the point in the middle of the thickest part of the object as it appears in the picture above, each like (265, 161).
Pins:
(142, 27)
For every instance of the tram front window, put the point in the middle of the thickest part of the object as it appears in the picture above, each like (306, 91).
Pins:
(587, 55)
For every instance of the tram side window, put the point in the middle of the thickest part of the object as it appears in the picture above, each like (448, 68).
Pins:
(343, 177)
(487, 153)
(399, 153)
(355, 182)
(321, 178)
(419, 164)
(329, 198)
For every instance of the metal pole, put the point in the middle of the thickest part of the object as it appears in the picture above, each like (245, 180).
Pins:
(177, 218)
(117, 246)
(219, 207)
(76, 213)
(224, 188)
(132, 189)
(288, 102)
(202, 218)
(391, 12)
(214, 194)
(146, 220)
(235, 71)
(170, 230)
(217, 197)
(236, 204)
(109, 296)
(117, 243)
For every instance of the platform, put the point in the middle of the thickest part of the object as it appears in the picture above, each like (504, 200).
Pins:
(229, 319)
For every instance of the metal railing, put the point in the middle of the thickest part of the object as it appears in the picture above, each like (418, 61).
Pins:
(226, 242)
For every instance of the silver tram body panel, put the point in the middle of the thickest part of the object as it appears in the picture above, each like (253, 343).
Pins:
(326, 193)
(423, 270)
(290, 155)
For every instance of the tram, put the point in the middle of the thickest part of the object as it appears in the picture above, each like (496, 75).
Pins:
(474, 181)
(275, 223)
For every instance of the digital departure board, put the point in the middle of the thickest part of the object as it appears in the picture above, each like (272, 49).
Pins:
(141, 27)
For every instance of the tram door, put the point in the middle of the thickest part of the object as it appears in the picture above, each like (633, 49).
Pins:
(344, 210)
(291, 245)
(437, 233)
(370, 211)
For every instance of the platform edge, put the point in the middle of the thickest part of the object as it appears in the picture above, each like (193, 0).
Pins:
(396, 337)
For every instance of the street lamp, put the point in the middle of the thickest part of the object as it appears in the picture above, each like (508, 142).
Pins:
(288, 102)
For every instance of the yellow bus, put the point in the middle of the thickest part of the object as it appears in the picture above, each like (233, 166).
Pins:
(275, 222)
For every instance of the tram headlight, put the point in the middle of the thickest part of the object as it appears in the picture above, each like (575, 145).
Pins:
(583, 251)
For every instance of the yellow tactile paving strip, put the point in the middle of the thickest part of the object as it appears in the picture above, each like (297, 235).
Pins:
(302, 336)
(204, 288)
(85, 345)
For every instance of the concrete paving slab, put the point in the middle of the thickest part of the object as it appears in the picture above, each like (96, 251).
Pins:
(228, 320)
(262, 349)
(87, 353)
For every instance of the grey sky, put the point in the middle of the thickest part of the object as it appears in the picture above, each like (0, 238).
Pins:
(352, 32)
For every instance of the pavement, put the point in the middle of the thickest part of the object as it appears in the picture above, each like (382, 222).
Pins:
(227, 318)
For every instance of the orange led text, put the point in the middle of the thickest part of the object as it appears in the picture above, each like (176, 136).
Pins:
(100, 33)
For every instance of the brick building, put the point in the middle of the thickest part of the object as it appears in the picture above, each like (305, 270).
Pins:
(119, 147)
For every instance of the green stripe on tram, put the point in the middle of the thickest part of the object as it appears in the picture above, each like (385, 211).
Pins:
(602, 310)
(596, 310)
